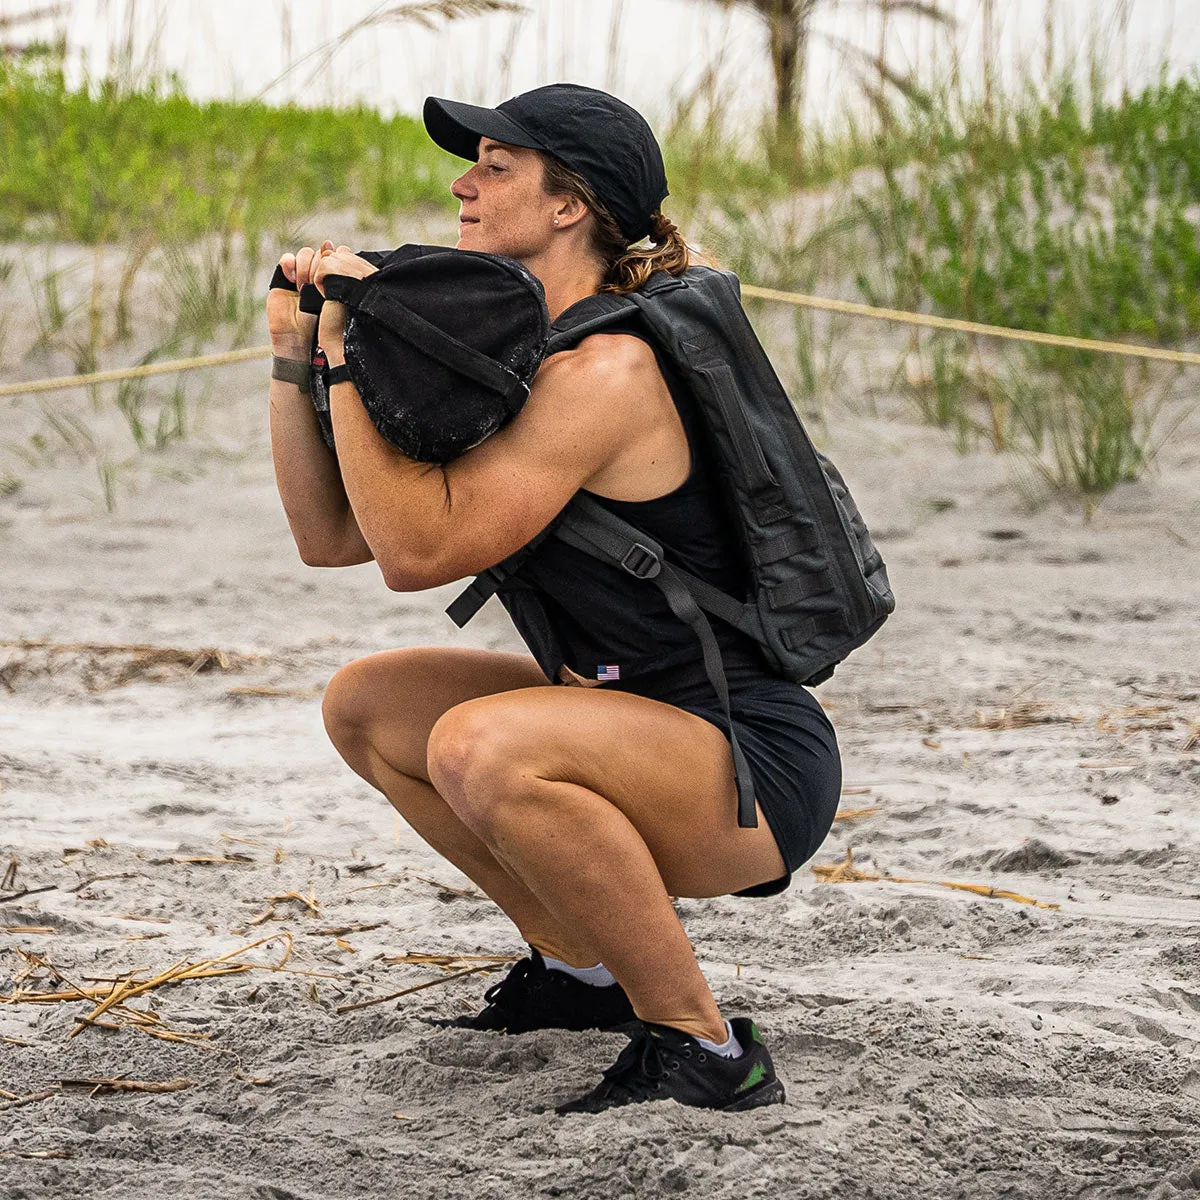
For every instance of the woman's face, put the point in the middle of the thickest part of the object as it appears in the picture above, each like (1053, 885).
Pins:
(502, 207)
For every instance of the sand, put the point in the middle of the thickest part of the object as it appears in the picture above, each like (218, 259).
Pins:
(1027, 720)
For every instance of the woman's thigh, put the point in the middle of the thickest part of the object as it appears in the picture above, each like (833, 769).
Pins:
(394, 698)
(669, 771)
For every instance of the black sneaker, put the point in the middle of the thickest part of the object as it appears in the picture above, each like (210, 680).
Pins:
(531, 996)
(661, 1063)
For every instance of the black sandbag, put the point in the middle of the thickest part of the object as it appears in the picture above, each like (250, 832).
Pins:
(441, 344)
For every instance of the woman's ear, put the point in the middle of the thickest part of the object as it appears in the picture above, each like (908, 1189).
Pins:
(570, 211)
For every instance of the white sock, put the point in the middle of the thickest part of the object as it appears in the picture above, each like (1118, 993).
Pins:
(597, 976)
(730, 1048)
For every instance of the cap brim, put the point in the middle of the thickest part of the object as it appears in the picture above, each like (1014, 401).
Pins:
(457, 127)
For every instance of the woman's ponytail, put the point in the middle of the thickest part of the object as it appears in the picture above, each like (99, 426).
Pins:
(667, 252)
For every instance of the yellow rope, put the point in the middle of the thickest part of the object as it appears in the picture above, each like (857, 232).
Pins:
(821, 303)
(163, 368)
(998, 331)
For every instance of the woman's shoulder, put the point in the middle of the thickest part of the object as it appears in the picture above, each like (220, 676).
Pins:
(608, 358)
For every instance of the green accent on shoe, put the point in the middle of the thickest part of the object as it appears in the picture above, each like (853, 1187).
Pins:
(758, 1037)
(757, 1074)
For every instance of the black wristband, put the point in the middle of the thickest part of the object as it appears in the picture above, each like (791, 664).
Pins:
(290, 370)
(339, 374)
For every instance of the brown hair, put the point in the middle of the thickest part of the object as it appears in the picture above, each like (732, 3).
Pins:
(626, 268)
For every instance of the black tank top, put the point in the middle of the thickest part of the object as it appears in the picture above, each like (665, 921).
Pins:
(619, 629)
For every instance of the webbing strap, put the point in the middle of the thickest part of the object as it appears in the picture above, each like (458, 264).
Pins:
(786, 545)
(686, 609)
(589, 522)
(612, 540)
(373, 300)
(612, 309)
(796, 637)
(472, 598)
(487, 583)
(798, 589)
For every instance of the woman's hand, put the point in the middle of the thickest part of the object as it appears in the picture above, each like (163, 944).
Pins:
(292, 330)
(342, 261)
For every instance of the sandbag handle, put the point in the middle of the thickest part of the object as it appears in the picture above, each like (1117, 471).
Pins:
(426, 337)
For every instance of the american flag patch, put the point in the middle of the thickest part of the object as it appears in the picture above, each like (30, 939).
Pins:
(608, 673)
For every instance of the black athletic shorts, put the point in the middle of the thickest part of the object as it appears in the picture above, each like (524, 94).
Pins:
(791, 748)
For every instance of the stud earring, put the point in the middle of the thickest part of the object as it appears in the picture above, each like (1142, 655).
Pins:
(556, 220)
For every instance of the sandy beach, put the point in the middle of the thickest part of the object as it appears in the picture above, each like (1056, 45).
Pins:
(1028, 721)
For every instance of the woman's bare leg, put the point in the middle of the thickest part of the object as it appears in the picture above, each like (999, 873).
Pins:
(602, 803)
(379, 712)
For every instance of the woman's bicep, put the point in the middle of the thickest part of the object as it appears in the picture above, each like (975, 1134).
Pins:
(512, 485)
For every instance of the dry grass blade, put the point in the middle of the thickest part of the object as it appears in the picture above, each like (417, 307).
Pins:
(105, 665)
(309, 902)
(38, 1154)
(9, 882)
(50, 887)
(420, 12)
(201, 860)
(447, 960)
(1024, 714)
(34, 1098)
(855, 814)
(172, 1035)
(28, 929)
(1193, 739)
(338, 931)
(130, 1085)
(420, 987)
(110, 996)
(282, 693)
(445, 891)
(87, 883)
(847, 872)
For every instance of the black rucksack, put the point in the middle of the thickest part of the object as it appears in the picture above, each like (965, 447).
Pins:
(819, 587)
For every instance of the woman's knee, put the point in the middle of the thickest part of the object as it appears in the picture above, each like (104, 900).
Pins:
(343, 709)
(472, 757)
(358, 697)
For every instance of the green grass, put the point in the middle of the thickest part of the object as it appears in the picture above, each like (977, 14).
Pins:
(98, 164)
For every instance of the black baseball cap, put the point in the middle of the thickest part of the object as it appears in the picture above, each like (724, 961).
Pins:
(598, 136)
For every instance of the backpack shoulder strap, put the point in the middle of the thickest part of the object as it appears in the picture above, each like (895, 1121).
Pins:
(587, 316)
(485, 585)
(594, 529)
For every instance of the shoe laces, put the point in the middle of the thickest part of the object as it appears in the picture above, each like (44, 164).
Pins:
(643, 1065)
(502, 995)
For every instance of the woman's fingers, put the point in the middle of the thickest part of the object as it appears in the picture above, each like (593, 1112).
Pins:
(305, 257)
(300, 267)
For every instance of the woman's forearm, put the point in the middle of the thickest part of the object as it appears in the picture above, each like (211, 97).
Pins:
(310, 484)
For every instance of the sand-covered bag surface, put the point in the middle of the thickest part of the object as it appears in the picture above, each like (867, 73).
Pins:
(199, 900)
